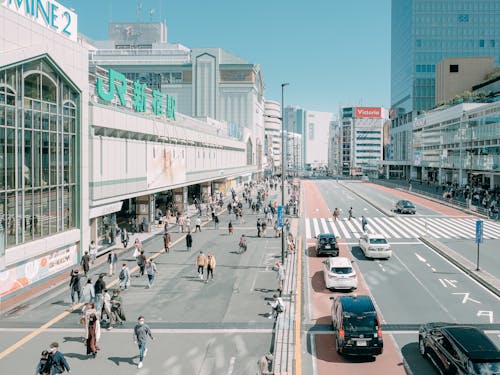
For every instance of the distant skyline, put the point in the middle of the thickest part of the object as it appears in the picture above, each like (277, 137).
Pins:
(331, 52)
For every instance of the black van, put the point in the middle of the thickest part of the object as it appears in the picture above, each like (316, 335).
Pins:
(356, 325)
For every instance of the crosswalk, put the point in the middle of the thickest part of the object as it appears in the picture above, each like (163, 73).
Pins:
(402, 227)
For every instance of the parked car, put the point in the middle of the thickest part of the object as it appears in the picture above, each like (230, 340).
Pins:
(339, 274)
(356, 326)
(375, 245)
(326, 243)
(405, 207)
(458, 349)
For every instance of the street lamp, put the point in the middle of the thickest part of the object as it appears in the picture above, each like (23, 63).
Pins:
(283, 169)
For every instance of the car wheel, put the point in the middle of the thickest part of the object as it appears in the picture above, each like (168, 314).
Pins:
(421, 346)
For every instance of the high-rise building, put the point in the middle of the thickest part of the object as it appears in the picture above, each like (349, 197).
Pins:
(425, 32)
(314, 127)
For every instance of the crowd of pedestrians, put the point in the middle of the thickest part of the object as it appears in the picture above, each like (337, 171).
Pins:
(105, 307)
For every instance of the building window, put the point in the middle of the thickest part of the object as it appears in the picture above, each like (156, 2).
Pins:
(39, 158)
(481, 42)
(311, 132)
(462, 18)
(453, 68)
(492, 43)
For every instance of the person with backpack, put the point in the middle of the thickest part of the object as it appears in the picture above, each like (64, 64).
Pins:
(124, 277)
(44, 366)
(117, 313)
(277, 306)
(210, 266)
(57, 360)
(75, 286)
(141, 262)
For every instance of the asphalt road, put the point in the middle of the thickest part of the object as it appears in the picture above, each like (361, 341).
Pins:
(219, 327)
(416, 285)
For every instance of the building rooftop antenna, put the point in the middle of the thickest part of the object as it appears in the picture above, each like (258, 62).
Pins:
(139, 11)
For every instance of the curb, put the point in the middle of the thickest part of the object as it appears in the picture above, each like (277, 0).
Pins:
(463, 264)
(382, 210)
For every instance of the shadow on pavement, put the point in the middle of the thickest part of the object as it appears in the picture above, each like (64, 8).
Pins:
(118, 360)
(358, 253)
(413, 359)
(73, 338)
(318, 283)
(77, 356)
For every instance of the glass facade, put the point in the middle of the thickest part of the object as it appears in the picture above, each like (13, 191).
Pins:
(39, 117)
(425, 32)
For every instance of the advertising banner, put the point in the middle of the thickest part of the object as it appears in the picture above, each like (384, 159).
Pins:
(368, 112)
(166, 166)
(37, 269)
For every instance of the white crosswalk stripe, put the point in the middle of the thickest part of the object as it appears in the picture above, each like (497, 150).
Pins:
(403, 227)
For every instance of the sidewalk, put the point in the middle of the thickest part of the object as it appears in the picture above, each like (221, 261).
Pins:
(19, 300)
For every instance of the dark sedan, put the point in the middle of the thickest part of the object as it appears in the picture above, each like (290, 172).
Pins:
(405, 207)
(458, 349)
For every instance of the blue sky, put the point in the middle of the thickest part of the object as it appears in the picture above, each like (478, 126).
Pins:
(332, 52)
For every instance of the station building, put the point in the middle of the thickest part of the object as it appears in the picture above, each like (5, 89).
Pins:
(81, 145)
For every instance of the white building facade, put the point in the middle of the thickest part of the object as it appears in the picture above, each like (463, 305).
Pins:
(272, 140)
(316, 139)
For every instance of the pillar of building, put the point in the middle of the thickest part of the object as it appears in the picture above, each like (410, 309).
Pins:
(180, 199)
(206, 191)
(145, 212)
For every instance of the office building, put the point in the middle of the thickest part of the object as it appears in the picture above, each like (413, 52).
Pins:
(272, 138)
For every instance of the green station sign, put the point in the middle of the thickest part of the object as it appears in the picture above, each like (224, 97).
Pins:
(160, 104)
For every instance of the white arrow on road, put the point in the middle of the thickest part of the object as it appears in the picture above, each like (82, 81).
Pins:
(466, 298)
(446, 282)
(420, 258)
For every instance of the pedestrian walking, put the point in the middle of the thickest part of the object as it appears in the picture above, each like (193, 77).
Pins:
(75, 286)
(259, 228)
(124, 277)
(216, 221)
(44, 366)
(88, 292)
(180, 224)
(85, 263)
(350, 214)
(263, 364)
(141, 333)
(364, 223)
(106, 306)
(336, 214)
(93, 334)
(210, 266)
(151, 271)
(167, 241)
(57, 360)
(187, 224)
(117, 312)
(198, 224)
(189, 241)
(99, 287)
(243, 244)
(277, 307)
(201, 263)
(93, 251)
(141, 262)
(112, 260)
(138, 244)
(125, 238)
(230, 227)
(280, 275)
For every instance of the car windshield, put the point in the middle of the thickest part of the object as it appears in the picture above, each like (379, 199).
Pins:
(485, 368)
(360, 323)
(378, 241)
(330, 241)
(407, 204)
(342, 270)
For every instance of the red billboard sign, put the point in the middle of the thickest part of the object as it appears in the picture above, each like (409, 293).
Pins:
(368, 112)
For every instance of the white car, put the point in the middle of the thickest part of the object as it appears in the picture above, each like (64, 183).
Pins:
(339, 274)
(375, 245)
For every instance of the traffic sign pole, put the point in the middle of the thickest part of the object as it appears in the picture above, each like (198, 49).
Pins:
(479, 239)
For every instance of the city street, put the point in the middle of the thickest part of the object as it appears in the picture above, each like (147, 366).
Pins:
(414, 286)
(220, 327)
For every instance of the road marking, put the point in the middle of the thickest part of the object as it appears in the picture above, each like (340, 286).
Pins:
(313, 352)
(466, 298)
(298, 312)
(231, 365)
(334, 228)
(343, 229)
(316, 226)
(352, 229)
(446, 283)
(156, 330)
(420, 258)
(486, 313)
